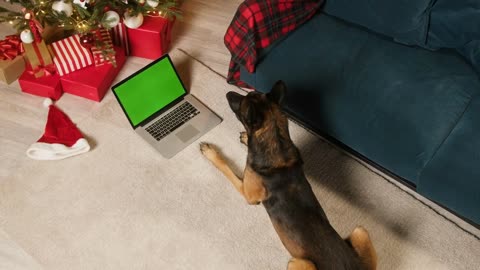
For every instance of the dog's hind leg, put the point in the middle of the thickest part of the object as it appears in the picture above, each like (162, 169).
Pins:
(300, 264)
(362, 244)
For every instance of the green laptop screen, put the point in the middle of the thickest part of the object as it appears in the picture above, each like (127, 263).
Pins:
(149, 91)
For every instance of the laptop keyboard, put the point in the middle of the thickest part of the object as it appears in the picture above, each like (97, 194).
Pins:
(173, 120)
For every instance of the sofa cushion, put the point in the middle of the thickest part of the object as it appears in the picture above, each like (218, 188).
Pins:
(471, 51)
(391, 103)
(404, 20)
(452, 176)
(456, 24)
(453, 23)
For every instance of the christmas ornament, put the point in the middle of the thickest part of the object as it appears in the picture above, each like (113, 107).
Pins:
(26, 36)
(61, 139)
(62, 6)
(111, 18)
(82, 3)
(87, 40)
(152, 3)
(133, 21)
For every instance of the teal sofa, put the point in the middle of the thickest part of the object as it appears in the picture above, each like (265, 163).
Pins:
(396, 82)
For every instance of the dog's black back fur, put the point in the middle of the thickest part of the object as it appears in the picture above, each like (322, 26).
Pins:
(292, 204)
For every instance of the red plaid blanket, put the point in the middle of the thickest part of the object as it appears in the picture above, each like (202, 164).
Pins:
(257, 24)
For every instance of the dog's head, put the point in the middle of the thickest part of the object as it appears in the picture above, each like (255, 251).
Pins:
(269, 143)
(257, 110)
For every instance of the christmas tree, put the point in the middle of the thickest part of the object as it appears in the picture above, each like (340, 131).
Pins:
(83, 16)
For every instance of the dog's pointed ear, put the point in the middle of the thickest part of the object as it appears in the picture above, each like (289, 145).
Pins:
(234, 100)
(278, 92)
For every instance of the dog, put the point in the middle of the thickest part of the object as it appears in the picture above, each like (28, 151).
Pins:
(274, 176)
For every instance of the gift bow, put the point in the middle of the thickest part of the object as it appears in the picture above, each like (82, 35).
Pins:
(48, 70)
(10, 47)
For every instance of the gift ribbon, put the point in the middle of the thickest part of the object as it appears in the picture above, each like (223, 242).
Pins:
(41, 66)
(36, 31)
(48, 70)
(39, 54)
(10, 47)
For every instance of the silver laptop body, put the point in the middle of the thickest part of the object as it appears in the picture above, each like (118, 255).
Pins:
(184, 135)
(168, 134)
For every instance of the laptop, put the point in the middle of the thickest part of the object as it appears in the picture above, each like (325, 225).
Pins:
(160, 110)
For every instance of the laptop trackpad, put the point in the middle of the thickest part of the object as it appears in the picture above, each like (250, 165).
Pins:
(187, 133)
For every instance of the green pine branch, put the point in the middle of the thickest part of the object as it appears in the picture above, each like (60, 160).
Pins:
(84, 19)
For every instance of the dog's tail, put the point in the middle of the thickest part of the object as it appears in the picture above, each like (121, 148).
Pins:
(361, 243)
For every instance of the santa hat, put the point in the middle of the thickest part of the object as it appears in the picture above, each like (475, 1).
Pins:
(61, 139)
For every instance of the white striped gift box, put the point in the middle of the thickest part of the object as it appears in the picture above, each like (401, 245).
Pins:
(120, 37)
(69, 55)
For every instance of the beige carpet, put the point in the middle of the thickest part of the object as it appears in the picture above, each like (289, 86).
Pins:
(122, 206)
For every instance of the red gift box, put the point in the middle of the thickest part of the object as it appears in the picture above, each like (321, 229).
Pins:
(45, 86)
(93, 82)
(152, 39)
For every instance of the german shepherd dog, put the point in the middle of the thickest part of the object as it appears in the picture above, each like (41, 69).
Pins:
(274, 177)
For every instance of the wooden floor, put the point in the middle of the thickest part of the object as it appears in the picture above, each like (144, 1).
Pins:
(201, 31)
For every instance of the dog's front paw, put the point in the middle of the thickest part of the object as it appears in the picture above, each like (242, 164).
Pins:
(300, 264)
(244, 138)
(208, 151)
